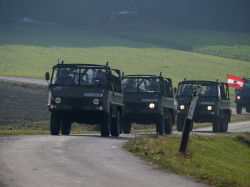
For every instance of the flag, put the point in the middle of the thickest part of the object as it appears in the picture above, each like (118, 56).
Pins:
(235, 82)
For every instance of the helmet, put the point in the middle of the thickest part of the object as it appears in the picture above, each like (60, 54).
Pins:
(64, 70)
(99, 72)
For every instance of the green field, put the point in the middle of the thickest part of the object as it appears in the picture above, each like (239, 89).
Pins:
(221, 160)
(30, 52)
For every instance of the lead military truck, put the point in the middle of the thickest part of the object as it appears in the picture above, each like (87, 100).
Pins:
(242, 97)
(82, 99)
(148, 99)
(213, 104)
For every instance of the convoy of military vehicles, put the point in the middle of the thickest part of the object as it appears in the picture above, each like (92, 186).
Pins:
(99, 95)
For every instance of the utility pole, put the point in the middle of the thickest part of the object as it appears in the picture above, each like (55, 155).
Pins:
(188, 119)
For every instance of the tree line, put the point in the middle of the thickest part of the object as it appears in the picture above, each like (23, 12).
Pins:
(232, 15)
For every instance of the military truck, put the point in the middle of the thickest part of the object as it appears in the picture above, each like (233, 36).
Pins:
(213, 104)
(242, 97)
(148, 99)
(85, 93)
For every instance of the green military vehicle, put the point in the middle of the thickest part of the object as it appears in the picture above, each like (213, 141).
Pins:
(242, 97)
(85, 93)
(148, 99)
(213, 104)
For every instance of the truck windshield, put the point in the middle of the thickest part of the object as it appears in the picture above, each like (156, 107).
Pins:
(246, 86)
(207, 89)
(141, 84)
(79, 76)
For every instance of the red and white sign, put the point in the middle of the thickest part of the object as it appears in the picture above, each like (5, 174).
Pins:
(235, 82)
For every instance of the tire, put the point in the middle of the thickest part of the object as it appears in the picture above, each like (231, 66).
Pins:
(238, 109)
(216, 124)
(106, 124)
(169, 124)
(126, 127)
(248, 109)
(160, 125)
(180, 123)
(116, 124)
(54, 125)
(224, 123)
(65, 127)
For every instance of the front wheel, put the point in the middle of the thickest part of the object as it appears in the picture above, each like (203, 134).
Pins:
(248, 109)
(126, 127)
(116, 125)
(180, 123)
(169, 125)
(216, 124)
(105, 124)
(54, 125)
(65, 127)
(224, 123)
(238, 109)
(160, 125)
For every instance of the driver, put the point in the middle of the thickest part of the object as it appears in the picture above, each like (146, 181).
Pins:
(99, 79)
(187, 90)
(130, 86)
(211, 91)
(64, 78)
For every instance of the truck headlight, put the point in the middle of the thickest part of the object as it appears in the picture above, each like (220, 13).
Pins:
(151, 105)
(238, 97)
(96, 101)
(58, 100)
(182, 107)
(209, 107)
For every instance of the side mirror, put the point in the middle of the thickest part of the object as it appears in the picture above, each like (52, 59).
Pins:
(175, 90)
(47, 76)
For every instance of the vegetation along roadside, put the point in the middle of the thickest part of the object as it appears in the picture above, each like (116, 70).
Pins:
(220, 160)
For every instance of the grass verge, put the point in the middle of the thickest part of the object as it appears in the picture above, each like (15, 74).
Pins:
(220, 160)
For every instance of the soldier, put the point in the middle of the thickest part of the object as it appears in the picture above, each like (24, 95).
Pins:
(99, 79)
(130, 86)
(154, 86)
(65, 78)
(211, 91)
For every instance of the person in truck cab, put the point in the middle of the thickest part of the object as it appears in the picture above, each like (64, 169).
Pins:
(154, 86)
(130, 86)
(65, 78)
(99, 79)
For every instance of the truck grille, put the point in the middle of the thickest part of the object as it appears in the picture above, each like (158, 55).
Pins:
(77, 101)
(137, 105)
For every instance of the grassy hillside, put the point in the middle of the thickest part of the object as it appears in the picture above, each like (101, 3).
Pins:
(30, 52)
(224, 44)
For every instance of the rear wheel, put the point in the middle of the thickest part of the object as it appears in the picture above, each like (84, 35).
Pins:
(126, 127)
(105, 125)
(248, 109)
(65, 127)
(54, 124)
(238, 109)
(216, 124)
(169, 124)
(180, 123)
(116, 125)
(160, 125)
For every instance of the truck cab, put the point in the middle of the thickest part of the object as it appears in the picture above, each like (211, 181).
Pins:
(148, 99)
(213, 104)
(85, 93)
(242, 97)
